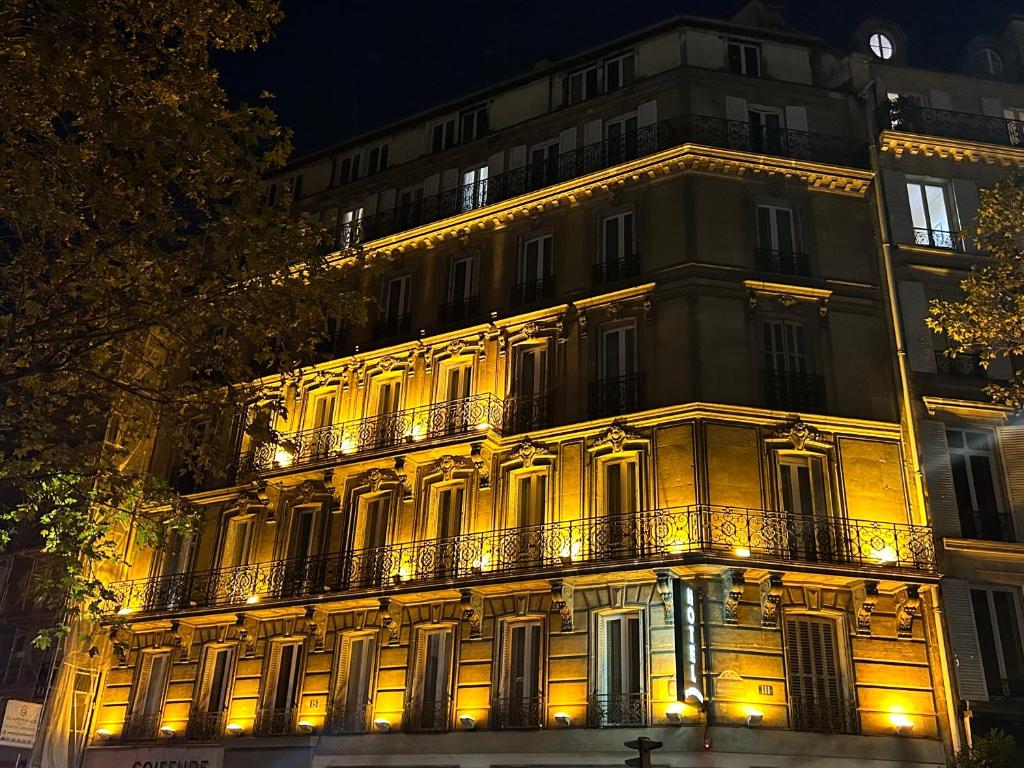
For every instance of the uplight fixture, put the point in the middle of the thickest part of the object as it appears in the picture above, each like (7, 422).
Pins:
(468, 722)
(742, 551)
(234, 729)
(306, 727)
(902, 724)
(381, 724)
(563, 720)
(674, 712)
(167, 731)
(754, 718)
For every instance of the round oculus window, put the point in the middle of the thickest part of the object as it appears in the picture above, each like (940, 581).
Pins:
(881, 45)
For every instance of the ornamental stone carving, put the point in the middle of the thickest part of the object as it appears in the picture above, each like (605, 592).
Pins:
(771, 596)
(799, 433)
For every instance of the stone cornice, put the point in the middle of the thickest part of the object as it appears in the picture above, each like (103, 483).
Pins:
(973, 409)
(959, 150)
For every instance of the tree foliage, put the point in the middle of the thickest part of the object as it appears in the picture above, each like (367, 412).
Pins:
(994, 749)
(988, 319)
(141, 273)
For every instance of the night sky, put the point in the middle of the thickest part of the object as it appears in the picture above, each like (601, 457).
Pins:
(338, 68)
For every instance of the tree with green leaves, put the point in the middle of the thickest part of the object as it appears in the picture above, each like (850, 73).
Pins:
(143, 278)
(988, 319)
(994, 749)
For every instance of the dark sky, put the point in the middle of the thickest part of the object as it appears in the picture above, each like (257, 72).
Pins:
(341, 67)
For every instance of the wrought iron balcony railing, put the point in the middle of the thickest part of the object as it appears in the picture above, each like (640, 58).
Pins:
(963, 365)
(616, 396)
(902, 115)
(790, 390)
(392, 326)
(692, 129)
(608, 710)
(275, 722)
(530, 291)
(139, 726)
(516, 713)
(526, 413)
(427, 716)
(410, 426)
(782, 262)
(205, 726)
(613, 270)
(343, 719)
(459, 310)
(987, 524)
(823, 715)
(677, 534)
(937, 238)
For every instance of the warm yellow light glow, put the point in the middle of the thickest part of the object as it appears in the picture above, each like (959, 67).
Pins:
(483, 426)
(284, 454)
(901, 722)
(234, 729)
(742, 552)
(347, 446)
(483, 563)
(252, 599)
(305, 725)
(885, 554)
(468, 722)
(415, 433)
(563, 720)
(382, 724)
(103, 733)
(674, 711)
(754, 717)
(676, 547)
(123, 611)
(166, 730)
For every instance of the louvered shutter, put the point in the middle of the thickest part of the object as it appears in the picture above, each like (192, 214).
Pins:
(271, 673)
(917, 337)
(505, 660)
(796, 118)
(592, 132)
(735, 109)
(430, 185)
(449, 179)
(963, 638)
(1011, 448)
(939, 99)
(600, 685)
(965, 197)
(228, 548)
(517, 156)
(896, 200)
(991, 107)
(647, 113)
(206, 679)
(142, 681)
(370, 205)
(343, 668)
(818, 486)
(567, 140)
(496, 164)
(938, 474)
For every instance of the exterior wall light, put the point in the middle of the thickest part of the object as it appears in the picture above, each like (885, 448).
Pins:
(123, 611)
(285, 453)
(468, 722)
(742, 551)
(902, 724)
(167, 731)
(103, 734)
(382, 725)
(754, 718)
(252, 599)
(234, 729)
(674, 712)
(563, 720)
(306, 727)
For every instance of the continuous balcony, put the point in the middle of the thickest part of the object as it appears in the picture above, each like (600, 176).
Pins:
(460, 310)
(698, 533)
(685, 129)
(901, 115)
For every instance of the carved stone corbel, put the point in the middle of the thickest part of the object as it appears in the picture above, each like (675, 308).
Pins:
(316, 626)
(472, 607)
(246, 629)
(864, 599)
(483, 476)
(120, 642)
(733, 583)
(581, 321)
(181, 639)
(771, 596)
(562, 599)
(907, 605)
(391, 619)
(664, 586)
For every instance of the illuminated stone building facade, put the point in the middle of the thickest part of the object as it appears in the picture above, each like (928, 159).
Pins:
(623, 450)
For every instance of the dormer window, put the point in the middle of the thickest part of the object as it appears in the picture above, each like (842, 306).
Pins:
(881, 45)
(442, 135)
(583, 85)
(990, 62)
(377, 159)
(348, 168)
(744, 58)
(619, 71)
(473, 123)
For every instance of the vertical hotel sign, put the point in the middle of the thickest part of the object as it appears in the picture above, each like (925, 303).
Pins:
(686, 605)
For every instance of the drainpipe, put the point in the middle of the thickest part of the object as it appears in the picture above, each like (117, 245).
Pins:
(881, 211)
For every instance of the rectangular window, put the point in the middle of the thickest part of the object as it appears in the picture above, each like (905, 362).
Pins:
(355, 683)
(784, 349)
(620, 135)
(237, 541)
(744, 58)
(410, 206)
(283, 676)
(348, 168)
(765, 127)
(543, 167)
(531, 376)
(929, 213)
(377, 159)
(151, 684)
(582, 85)
(816, 693)
(530, 498)
(1015, 126)
(449, 503)
(321, 411)
(775, 228)
(302, 543)
(397, 297)
(621, 682)
(802, 485)
(215, 683)
(474, 189)
(973, 463)
(618, 352)
(520, 665)
(619, 71)
(350, 232)
(432, 680)
(536, 262)
(442, 135)
(621, 487)
(462, 283)
(617, 241)
(459, 382)
(997, 618)
(12, 648)
(473, 123)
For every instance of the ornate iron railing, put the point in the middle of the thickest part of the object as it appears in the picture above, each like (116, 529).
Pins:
(529, 291)
(141, 727)
(394, 325)
(526, 413)
(693, 129)
(903, 115)
(937, 238)
(987, 524)
(427, 716)
(655, 536)
(616, 396)
(789, 390)
(612, 270)
(606, 710)
(517, 713)
(458, 310)
(782, 262)
(275, 722)
(963, 364)
(823, 715)
(343, 719)
(205, 726)
(444, 419)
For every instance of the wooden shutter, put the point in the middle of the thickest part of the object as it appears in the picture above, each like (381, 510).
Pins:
(271, 672)
(370, 205)
(142, 679)
(449, 179)
(517, 156)
(1011, 448)
(419, 664)
(991, 107)
(567, 140)
(917, 337)
(592, 132)
(735, 109)
(230, 533)
(819, 488)
(796, 118)
(495, 164)
(938, 474)
(206, 679)
(939, 99)
(896, 200)
(963, 638)
(812, 661)
(647, 113)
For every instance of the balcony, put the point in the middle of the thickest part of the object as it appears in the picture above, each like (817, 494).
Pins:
(205, 726)
(531, 291)
(522, 713)
(675, 535)
(782, 262)
(987, 525)
(526, 413)
(615, 396)
(616, 710)
(792, 391)
(275, 722)
(901, 115)
(378, 433)
(141, 727)
(963, 365)
(938, 238)
(685, 129)
(427, 716)
(343, 719)
(822, 715)
(391, 327)
(460, 310)
(613, 270)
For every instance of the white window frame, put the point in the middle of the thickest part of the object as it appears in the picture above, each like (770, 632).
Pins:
(796, 360)
(541, 369)
(449, 127)
(155, 689)
(296, 674)
(744, 46)
(1016, 598)
(403, 284)
(532, 477)
(545, 255)
(627, 354)
(348, 174)
(349, 234)
(601, 660)
(244, 549)
(618, 62)
(917, 192)
(626, 246)
(474, 188)
(505, 658)
(966, 451)
(583, 90)
(342, 688)
(626, 499)
(881, 45)
(445, 667)
(319, 415)
(204, 693)
(473, 113)
(773, 226)
(379, 162)
(991, 62)
(806, 462)
(468, 289)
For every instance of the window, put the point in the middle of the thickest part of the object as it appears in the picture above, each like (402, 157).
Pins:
(766, 133)
(529, 385)
(474, 189)
(12, 654)
(283, 683)
(377, 159)
(617, 238)
(473, 123)
(618, 352)
(620, 134)
(582, 85)
(152, 673)
(321, 411)
(429, 708)
(215, 684)
(929, 214)
(177, 554)
(973, 463)
(619, 71)
(458, 382)
(621, 486)
(442, 135)
(302, 542)
(816, 694)
(802, 485)
(789, 382)
(744, 58)
(387, 396)
(543, 168)
(462, 282)
(351, 224)
(784, 348)
(991, 63)
(881, 45)
(997, 618)
(448, 505)
(620, 697)
(348, 168)
(355, 678)
(397, 297)
(237, 541)
(536, 269)
(520, 666)
(410, 206)
(776, 238)
(1015, 126)
(530, 498)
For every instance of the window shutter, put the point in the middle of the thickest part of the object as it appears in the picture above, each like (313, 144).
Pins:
(1011, 447)
(963, 637)
(271, 671)
(230, 533)
(370, 205)
(895, 185)
(567, 140)
(939, 99)
(142, 680)
(965, 198)
(505, 659)
(601, 678)
(991, 107)
(344, 671)
(419, 663)
(917, 338)
(449, 179)
(206, 681)
(517, 156)
(735, 109)
(818, 487)
(496, 164)
(999, 369)
(647, 113)
(796, 118)
(592, 132)
(945, 518)
(430, 185)
(387, 199)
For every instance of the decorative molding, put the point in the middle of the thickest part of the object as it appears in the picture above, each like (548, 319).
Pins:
(970, 409)
(616, 437)
(907, 604)
(391, 619)
(865, 597)
(800, 434)
(180, 638)
(562, 596)
(958, 150)
(120, 642)
(664, 587)
(787, 295)
(472, 606)
(529, 452)
(733, 582)
(245, 630)
(771, 596)
(475, 456)
(316, 626)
